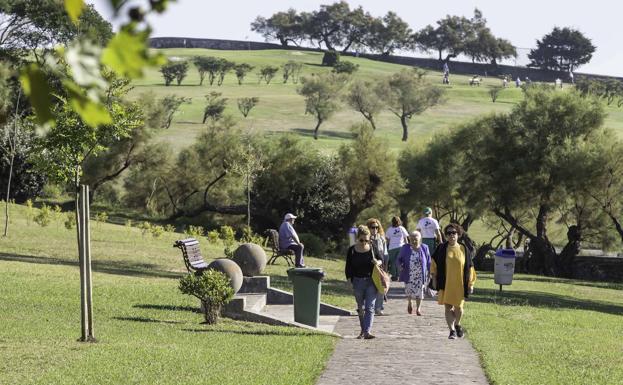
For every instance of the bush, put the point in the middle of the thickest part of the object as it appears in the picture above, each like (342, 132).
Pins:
(345, 67)
(494, 92)
(45, 216)
(227, 235)
(169, 228)
(101, 216)
(330, 58)
(314, 245)
(157, 231)
(248, 236)
(213, 236)
(145, 227)
(213, 290)
(70, 220)
(194, 231)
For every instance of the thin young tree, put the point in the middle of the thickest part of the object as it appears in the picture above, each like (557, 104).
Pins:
(322, 96)
(363, 96)
(245, 105)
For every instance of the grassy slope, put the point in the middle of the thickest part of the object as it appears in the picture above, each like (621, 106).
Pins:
(538, 331)
(148, 332)
(281, 109)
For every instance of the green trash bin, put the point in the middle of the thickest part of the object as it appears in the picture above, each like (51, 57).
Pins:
(306, 282)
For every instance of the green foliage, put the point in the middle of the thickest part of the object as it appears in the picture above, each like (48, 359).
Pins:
(366, 97)
(241, 70)
(145, 228)
(70, 220)
(174, 71)
(388, 34)
(224, 68)
(44, 216)
(102, 216)
(227, 235)
(248, 236)
(330, 58)
(170, 105)
(215, 107)
(212, 288)
(291, 69)
(30, 212)
(345, 67)
(408, 94)
(267, 73)
(563, 49)
(213, 236)
(169, 228)
(128, 224)
(283, 26)
(156, 231)
(314, 245)
(207, 65)
(322, 96)
(194, 231)
(245, 105)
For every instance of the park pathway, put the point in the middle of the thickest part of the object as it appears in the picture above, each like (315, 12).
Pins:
(408, 349)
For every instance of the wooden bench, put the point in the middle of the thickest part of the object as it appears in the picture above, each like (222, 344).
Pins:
(273, 240)
(192, 255)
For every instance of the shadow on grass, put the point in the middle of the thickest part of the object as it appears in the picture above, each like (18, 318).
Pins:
(146, 320)
(258, 332)
(168, 307)
(597, 284)
(108, 267)
(324, 133)
(541, 299)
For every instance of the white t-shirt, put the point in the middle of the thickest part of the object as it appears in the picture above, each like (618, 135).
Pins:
(427, 227)
(396, 236)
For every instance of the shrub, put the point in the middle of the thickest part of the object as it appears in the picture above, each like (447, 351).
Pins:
(45, 216)
(128, 224)
(70, 220)
(227, 235)
(213, 290)
(213, 236)
(248, 236)
(314, 245)
(169, 228)
(156, 231)
(494, 92)
(102, 216)
(194, 231)
(345, 67)
(145, 227)
(330, 58)
(267, 73)
(30, 213)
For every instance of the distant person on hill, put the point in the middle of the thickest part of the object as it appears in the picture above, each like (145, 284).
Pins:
(414, 260)
(430, 229)
(379, 246)
(289, 239)
(453, 274)
(360, 260)
(505, 82)
(396, 236)
(518, 82)
(571, 77)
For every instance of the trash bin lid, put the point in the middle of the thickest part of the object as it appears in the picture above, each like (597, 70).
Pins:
(506, 253)
(311, 272)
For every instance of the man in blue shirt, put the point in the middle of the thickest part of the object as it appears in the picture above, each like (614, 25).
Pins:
(288, 239)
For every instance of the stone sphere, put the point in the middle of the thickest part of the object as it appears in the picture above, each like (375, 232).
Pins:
(230, 269)
(251, 258)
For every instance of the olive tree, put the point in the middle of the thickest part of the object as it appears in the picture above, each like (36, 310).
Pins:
(366, 97)
(322, 96)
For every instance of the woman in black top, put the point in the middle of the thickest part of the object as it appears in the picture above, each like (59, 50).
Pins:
(360, 260)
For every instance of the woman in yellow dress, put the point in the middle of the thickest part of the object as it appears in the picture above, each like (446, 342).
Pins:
(453, 273)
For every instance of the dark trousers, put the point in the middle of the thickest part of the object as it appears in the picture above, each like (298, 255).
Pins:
(298, 254)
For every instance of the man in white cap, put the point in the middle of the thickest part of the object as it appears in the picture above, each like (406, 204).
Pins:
(289, 239)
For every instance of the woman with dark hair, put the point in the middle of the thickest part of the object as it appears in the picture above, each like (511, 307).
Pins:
(453, 275)
(360, 261)
(379, 247)
(396, 236)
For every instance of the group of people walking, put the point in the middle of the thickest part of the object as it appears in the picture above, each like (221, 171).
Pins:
(423, 259)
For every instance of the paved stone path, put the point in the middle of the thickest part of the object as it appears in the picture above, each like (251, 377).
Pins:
(408, 349)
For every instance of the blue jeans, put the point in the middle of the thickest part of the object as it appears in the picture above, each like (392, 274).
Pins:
(365, 295)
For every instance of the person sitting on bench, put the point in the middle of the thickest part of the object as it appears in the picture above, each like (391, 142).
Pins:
(288, 239)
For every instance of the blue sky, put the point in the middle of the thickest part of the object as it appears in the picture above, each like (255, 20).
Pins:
(521, 22)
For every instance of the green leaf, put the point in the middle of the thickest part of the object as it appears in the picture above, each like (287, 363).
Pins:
(127, 54)
(74, 9)
(92, 112)
(35, 85)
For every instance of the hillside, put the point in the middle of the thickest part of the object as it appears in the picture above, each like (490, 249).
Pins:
(281, 109)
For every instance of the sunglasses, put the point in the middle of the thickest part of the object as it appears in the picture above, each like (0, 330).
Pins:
(374, 227)
(451, 233)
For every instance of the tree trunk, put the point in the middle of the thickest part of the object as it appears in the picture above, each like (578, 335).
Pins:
(316, 129)
(405, 128)
(570, 251)
(248, 203)
(541, 222)
(8, 195)
(617, 225)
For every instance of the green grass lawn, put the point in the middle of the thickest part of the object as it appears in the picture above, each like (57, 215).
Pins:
(537, 331)
(281, 109)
